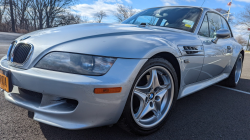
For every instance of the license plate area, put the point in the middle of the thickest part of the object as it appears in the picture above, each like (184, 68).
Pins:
(5, 80)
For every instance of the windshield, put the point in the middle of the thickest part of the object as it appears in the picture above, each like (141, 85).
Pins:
(184, 18)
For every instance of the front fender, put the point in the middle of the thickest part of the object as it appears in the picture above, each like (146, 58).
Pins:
(237, 48)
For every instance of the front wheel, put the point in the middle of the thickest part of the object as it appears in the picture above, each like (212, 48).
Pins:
(235, 75)
(152, 97)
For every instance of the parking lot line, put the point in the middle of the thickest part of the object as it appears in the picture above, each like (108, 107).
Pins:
(233, 89)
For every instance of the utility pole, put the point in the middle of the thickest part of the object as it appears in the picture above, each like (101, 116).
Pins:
(248, 40)
(229, 4)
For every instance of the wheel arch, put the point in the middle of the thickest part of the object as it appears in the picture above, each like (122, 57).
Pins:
(173, 60)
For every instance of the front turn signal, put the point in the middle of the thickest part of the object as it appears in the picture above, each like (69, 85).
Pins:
(108, 90)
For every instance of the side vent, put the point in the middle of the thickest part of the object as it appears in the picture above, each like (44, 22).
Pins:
(191, 50)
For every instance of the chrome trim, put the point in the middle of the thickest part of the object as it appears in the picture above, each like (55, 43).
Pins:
(14, 64)
(10, 49)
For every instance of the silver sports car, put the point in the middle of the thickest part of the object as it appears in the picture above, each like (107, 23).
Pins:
(130, 74)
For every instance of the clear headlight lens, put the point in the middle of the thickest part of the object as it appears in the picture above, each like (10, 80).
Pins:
(76, 63)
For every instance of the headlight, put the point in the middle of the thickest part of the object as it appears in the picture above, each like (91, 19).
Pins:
(76, 63)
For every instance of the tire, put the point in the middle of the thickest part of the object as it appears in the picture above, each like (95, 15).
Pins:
(234, 78)
(160, 99)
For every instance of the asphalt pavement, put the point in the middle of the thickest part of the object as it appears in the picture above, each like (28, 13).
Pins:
(213, 113)
(5, 40)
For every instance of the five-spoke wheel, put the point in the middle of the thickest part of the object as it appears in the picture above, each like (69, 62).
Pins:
(152, 96)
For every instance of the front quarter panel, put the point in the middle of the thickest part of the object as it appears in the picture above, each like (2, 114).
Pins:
(237, 48)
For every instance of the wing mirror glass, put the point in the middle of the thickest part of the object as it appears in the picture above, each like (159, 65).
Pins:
(220, 34)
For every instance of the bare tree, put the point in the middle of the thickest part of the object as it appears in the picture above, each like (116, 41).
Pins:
(99, 16)
(123, 12)
(243, 18)
(33, 14)
(241, 40)
(67, 19)
(225, 13)
(29, 15)
(85, 19)
(3, 5)
(243, 21)
(54, 8)
(12, 16)
(37, 13)
(21, 7)
(23, 14)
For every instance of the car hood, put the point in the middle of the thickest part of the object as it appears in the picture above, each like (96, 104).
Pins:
(114, 40)
(50, 37)
(54, 36)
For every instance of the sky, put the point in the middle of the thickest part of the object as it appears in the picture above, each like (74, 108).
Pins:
(87, 8)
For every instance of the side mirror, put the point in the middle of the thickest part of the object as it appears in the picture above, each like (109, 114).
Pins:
(222, 33)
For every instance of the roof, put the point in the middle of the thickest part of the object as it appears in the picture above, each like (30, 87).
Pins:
(203, 8)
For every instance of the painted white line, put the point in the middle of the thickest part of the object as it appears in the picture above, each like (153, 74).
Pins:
(233, 89)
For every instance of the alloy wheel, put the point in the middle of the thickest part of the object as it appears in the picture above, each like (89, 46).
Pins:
(238, 70)
(152, 97)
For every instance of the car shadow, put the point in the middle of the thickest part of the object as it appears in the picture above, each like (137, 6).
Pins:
(213, 113)
(244, 85)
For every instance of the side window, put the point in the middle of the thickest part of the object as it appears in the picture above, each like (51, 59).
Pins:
(164, 22)
(204, 28)
(131, 22)
(225, 25)
(215, 24)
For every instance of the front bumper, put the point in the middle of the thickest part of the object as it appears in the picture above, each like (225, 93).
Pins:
(92, 109)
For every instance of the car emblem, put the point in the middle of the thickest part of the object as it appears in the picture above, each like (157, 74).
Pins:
(25, 38)
(151, 96)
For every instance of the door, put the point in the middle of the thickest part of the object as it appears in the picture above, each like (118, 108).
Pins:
(217, 55)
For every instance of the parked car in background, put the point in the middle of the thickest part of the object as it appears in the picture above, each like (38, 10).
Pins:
(89, 75)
